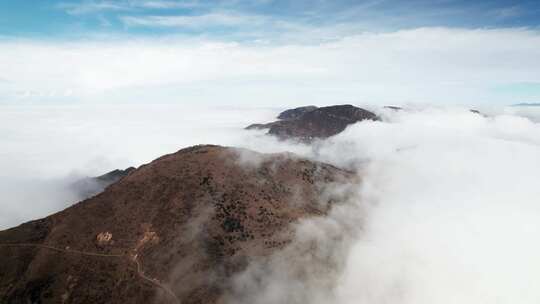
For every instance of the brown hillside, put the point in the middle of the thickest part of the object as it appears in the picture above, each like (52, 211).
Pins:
(174, 230)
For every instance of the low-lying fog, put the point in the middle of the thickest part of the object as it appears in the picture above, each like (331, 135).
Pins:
(450, 198)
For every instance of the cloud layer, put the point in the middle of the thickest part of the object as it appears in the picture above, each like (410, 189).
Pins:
(47, 148)
(454, 210)
(455, 65)
(446, 210)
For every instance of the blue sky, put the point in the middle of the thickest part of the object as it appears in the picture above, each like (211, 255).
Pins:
(270, 51)
(259, 19)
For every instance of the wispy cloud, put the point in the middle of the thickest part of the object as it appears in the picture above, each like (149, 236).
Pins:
(167, 4)
(80, 8)
(507, 12)
(89, 7)
(264, 21)
(198, 21)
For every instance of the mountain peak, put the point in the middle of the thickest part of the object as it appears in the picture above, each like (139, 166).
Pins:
(308, 123)
(175, 229)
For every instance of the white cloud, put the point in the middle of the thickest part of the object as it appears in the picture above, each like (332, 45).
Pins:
(157, 4)
(192, 21)
(455, 212)
(46, 148)
(447, 213)
(88, 7)
(508, 12)
(420, 65)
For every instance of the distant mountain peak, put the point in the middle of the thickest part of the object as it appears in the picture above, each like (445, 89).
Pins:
(310, 122)
(527, 104)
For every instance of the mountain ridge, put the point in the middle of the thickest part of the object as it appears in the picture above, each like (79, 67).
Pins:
(308, 123)
(174, 230)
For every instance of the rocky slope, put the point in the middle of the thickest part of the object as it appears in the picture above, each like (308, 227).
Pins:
(308, 123)
(90, 186)
(172, 231)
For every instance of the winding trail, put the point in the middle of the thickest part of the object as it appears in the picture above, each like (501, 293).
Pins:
(155, 282)
(131, 258)
(60, 249)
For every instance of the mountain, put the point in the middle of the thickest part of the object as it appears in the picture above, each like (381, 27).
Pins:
(395, 108)
(308, 123)
(527, 104)
(91, 186)
(172, 231)
(295, 113)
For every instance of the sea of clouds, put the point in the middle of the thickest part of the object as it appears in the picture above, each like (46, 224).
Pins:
(447, 210)
(45, 149)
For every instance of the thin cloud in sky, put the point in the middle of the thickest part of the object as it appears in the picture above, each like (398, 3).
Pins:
(92, 7)
(89, 7)
(508, 12)
(199, 21)
(161, 16)
(167, 4)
